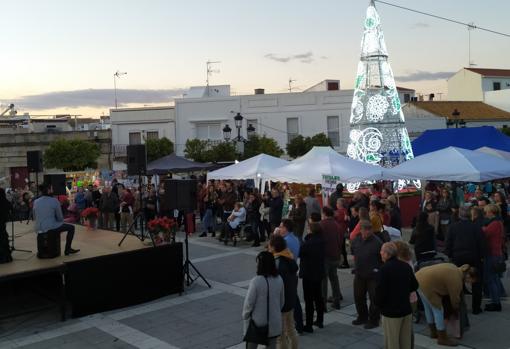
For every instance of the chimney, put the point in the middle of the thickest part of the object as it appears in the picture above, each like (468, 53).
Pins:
(259, 91)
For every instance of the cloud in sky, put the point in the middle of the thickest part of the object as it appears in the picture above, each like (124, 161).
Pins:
(306, 57)
(95, 98)
(421, 75)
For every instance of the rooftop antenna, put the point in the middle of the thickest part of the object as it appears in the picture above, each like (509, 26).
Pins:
(210, 71)
(471, 26)
(290, 84)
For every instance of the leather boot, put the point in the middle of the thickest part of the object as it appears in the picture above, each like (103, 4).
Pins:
(442, 339)
(433, 331)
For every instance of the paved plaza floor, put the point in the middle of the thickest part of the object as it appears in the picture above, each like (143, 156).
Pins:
(211, 317)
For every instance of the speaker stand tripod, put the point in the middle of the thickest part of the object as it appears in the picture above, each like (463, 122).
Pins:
(189, 269)
(13, 248)
(141, 216)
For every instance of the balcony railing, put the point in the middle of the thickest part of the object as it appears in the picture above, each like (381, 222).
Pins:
(119, 151)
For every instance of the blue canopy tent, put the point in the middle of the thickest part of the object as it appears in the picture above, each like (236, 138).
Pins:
(468, 138)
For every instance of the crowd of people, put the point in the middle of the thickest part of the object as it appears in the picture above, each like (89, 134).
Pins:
(310, 240)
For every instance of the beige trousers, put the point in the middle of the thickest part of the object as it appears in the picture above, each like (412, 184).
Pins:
(398, 332)
(289, 338)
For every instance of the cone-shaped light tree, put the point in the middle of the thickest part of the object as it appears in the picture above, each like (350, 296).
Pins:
(378, 134)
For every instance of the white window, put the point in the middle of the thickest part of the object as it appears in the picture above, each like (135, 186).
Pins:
(292, 128)
(209, 131)
(334, 130)
(135, 138)
(152, 135)
(254, 123)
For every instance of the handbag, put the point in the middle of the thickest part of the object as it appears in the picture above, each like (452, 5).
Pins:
(259, 334)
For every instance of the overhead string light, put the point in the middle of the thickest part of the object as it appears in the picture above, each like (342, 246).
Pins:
(378, 133)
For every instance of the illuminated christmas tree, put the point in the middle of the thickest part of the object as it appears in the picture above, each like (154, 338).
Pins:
(378, 134)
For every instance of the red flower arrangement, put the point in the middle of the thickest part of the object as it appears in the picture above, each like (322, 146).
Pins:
(90, 212)
(162, 226)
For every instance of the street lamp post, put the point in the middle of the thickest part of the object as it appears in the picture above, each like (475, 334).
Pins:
(239, 140)
(117, 75)
(456, 120)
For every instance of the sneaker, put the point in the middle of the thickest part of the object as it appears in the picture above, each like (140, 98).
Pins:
(255, 244)
(358, 322)
(336, 305)
(203, 235)
(370, 325)
(330, 300)
(344, 266)
(477, 311)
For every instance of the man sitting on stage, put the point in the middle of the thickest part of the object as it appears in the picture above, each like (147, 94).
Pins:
(49, 219)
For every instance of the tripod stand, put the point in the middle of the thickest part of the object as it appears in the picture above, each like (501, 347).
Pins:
(189, 269)
(141, 216)
(13, 248)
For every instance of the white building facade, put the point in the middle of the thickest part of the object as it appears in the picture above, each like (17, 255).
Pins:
(136, 125)
(324, 108)
(491, 86)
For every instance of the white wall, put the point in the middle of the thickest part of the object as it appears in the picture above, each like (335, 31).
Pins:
(487, 83)
(126, 120)
(270, 111)
(465, 86)
(499, 99)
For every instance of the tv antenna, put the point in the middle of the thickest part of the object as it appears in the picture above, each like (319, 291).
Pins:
(210, 71)
(290, 84)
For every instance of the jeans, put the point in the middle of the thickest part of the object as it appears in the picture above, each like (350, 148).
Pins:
(298, 315)
(362, 286)
(331, 274)
(69, 228)
(432, 314)
(288, 339)
(255, 229)
(126, 219)
(208, 219)
(492, 279)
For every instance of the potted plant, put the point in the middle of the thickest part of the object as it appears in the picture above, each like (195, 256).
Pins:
(90, 214)
(163, 230)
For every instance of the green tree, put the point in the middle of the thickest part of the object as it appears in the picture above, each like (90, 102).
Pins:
(196, 149)
(505, 131)
(157, 148)
(257, 145)
(300, 145)
(71, 155)
(222, 151)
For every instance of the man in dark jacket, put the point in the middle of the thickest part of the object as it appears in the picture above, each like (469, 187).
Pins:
(108, 205)
(395, 283)
(275, 209)
(366, 249)
(312, 272)
(334, 242)
(287, 268)
(465, 244)
(333, 198)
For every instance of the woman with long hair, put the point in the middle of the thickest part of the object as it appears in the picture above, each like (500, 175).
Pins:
(266, 287)
(298, 216)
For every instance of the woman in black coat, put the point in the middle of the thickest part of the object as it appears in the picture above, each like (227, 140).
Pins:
(5, 216)
(298, 216)
(423, 238)
(312, 271)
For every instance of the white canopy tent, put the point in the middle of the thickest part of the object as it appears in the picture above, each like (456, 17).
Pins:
(320, 161)
(257, 167)
(496, 152)
(451, 164)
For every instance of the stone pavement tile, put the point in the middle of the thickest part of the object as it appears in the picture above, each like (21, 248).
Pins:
(197, 251)
(90, 338)
(229, 269)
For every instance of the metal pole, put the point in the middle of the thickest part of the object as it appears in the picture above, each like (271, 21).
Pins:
(115, 89)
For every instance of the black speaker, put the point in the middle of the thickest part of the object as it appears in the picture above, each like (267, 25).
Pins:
(136, 160)
(34, 161)
(57, 182)
(181, 194)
